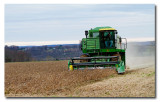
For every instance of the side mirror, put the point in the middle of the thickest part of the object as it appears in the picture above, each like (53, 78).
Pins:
(120, 39)
(86, 33)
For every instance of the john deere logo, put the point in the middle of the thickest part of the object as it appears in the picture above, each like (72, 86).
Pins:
(107, 50)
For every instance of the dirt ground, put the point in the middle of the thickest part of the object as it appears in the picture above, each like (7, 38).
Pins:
(134, 83)
(38, 82)
(42, 79)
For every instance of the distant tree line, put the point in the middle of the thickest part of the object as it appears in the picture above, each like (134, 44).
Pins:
(41, 53)
(13, 54)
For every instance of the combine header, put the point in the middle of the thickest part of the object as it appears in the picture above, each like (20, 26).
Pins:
(102, 48)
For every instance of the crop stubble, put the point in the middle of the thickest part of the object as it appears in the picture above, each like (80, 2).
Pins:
(47, 78)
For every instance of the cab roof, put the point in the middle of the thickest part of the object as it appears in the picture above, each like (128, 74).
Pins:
(97, 29)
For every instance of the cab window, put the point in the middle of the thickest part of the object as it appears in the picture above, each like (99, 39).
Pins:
(95, 34)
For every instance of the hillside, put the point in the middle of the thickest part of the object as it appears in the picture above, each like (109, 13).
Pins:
(67, 51)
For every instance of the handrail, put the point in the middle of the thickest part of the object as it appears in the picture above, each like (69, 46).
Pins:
(126, 42)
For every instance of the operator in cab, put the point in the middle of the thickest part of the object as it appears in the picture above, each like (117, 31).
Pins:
(108, 39)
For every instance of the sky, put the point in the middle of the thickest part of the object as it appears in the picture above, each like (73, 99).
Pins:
(64, 23)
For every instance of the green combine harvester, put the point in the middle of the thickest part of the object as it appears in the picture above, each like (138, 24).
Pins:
(102, 48)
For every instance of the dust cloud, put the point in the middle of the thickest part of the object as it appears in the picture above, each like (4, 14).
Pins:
(140, 55)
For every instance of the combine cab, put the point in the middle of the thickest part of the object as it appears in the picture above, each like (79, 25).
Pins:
(102, 48)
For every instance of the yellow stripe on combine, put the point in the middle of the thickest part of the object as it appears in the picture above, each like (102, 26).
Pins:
(107, 29)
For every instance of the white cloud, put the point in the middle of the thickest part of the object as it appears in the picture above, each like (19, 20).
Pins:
(41, 43)
(68, 42)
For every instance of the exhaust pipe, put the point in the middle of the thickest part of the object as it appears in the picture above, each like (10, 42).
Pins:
(86, 33)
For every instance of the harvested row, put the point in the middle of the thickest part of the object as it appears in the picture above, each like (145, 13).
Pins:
(47, 78)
